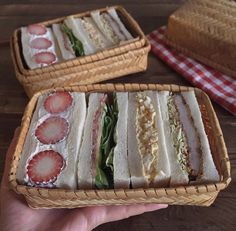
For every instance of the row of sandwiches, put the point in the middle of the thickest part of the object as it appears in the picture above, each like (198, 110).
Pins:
(74, 37)
(130, 140)
(144, 139)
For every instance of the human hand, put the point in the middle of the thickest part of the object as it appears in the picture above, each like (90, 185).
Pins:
(16, 215)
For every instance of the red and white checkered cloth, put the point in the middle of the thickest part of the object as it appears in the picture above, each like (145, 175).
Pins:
(220, 88)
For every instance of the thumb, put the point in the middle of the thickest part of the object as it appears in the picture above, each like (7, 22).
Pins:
(9, 156)
(103, 214)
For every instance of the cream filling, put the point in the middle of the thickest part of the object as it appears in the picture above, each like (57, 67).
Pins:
(147, 135)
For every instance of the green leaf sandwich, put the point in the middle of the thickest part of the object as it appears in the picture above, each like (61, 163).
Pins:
(104, 146)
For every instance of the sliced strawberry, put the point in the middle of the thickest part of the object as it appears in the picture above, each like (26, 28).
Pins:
(45, 57)
(45, 166)
(40, 43)
(52, 130)
(58, 102)
(37, 29)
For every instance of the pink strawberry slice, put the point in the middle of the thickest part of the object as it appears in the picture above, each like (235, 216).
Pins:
(52, 130)
(58, 102)
(37, 29)
(40, 43)
(45, 166)
(45, 57)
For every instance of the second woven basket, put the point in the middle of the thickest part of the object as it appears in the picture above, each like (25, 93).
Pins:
(205, 30)
(127, 58)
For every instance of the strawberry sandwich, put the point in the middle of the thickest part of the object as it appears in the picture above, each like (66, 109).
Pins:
(39, 46)
(52, 143)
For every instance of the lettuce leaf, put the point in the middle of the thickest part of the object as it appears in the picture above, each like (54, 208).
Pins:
(101, 180)
(75, 42)
(109, 160)
(104, 174)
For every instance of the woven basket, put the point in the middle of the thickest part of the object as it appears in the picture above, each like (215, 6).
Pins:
(202, 195)
(205, 30)
(127, 58)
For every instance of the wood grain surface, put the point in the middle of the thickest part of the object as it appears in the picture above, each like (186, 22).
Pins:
(150, 14)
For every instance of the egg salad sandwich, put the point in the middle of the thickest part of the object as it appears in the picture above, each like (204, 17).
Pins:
(111, 26)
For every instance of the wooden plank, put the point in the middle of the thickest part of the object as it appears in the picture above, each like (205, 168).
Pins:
(17, 15)
(88, 2)
(27, 10)
(15, 22)
(8, 124)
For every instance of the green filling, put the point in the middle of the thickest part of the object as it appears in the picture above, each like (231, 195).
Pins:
(104, 169)
(76, 43)
(178, 135)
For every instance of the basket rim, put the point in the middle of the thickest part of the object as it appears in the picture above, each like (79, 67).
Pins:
(70, 193)
(201, 58)
(67, 71)
(138, 42)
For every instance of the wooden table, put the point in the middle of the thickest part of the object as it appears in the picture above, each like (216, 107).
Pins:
(150, 14)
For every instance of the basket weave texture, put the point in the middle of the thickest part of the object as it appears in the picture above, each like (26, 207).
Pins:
(205, 30)
(127, 58)
(202, 195)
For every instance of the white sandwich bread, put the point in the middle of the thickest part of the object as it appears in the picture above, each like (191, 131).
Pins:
(120, 160)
